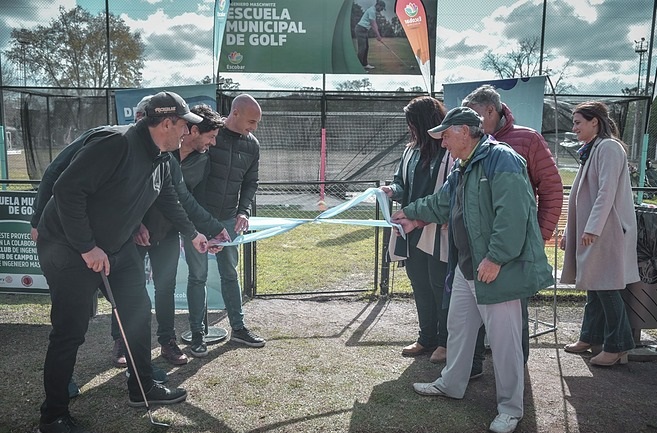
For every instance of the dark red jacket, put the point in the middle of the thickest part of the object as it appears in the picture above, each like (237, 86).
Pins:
(543, 173)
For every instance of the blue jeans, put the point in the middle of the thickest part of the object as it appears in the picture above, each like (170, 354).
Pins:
(605, 321)
(163, 257)
(230, 286)
(164, 264)
(231, 291)
(427, 275)
(196, 292)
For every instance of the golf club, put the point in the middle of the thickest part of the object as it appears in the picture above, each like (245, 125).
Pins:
(398, 58)
(110, 298)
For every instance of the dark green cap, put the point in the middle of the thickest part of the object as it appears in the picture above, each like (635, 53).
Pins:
(455, 117)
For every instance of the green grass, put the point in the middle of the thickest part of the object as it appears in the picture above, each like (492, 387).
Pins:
(315, 257)
(567, 176)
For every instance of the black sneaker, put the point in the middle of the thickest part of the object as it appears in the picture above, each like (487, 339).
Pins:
(198, 347)
(63, 424)
(73, 389)
(159, 375)
(244, 336)
(158, 394)
(476, 372)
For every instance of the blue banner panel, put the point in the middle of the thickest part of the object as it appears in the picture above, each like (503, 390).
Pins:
(524, 96)
(126, 100)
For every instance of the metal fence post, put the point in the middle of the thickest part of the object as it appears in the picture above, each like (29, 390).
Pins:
(385, 264)
(249, 266)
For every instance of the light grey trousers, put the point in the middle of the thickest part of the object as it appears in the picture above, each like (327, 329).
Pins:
(504, 326)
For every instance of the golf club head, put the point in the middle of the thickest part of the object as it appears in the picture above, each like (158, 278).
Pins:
(157, 423)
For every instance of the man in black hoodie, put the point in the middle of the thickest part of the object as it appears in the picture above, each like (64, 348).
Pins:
(86, 228)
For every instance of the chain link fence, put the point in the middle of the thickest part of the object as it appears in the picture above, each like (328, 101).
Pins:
(314, 257)
(346, 131)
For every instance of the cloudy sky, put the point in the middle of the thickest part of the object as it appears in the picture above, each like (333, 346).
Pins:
(596, 36)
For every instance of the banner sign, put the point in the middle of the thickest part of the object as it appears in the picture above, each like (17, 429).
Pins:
(332, 37)
(213, 283)
(126, 100)
(220, 17)
(413, 19)
(20, 271)
(524, 96)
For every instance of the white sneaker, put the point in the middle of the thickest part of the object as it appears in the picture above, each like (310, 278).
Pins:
(369, 67)
(504, 423)
(428, 389)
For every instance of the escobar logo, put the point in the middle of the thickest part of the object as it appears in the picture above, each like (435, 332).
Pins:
(222, 5)
(235, 59)
(412, 10)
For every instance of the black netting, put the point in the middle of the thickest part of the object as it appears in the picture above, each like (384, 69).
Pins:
(47, 120)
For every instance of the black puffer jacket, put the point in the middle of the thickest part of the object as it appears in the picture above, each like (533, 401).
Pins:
(233, 178)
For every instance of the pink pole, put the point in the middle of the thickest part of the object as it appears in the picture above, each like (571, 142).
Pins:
(322, 170)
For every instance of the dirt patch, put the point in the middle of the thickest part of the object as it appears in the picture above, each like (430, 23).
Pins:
(330, 365)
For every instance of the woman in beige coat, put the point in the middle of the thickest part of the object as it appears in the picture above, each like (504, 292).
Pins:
(600, 237)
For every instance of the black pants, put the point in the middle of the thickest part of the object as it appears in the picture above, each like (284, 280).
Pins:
(427, 274)
(72, 287)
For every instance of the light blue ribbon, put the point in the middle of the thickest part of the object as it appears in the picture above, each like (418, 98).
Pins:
(266, 227)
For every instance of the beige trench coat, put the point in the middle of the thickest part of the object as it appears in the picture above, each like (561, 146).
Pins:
(601, 203)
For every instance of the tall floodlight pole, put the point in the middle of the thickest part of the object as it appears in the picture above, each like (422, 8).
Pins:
(640, 47)
(23, 39)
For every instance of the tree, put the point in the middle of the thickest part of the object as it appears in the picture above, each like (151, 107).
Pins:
(414, 89)
(229, 84)
(71, 51)
(9, 72)
(355, 85)
(524, 61)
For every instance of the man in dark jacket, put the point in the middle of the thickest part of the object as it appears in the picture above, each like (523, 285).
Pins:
(86, 228)
(195, 165)
(543, 174)
(160, 239)
(229, 189)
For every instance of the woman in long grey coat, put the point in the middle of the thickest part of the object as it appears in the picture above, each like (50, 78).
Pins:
(600, 237)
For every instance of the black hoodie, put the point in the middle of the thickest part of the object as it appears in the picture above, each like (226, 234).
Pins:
(102, 196)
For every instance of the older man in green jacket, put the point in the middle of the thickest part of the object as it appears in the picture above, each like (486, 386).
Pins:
(496, 258)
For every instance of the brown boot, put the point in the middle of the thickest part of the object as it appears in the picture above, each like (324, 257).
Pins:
(582, 347)
(118, 354)
(172, 353)
(416, 349)
(439, 355)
